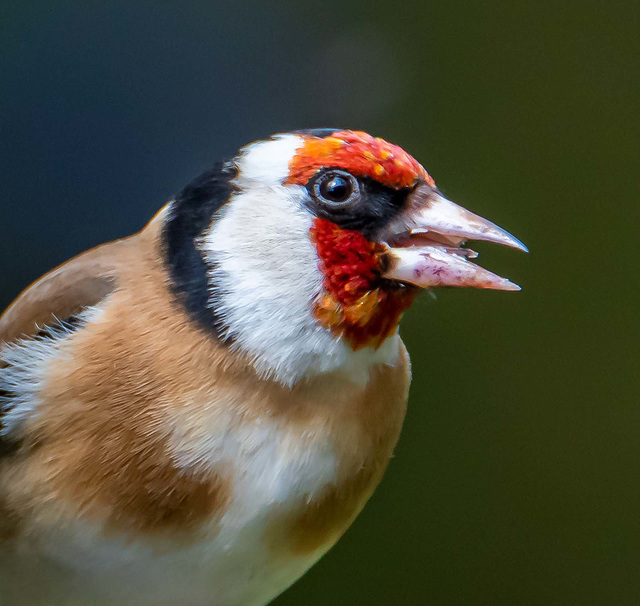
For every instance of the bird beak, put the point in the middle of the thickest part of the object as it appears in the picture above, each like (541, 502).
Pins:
(425, 244)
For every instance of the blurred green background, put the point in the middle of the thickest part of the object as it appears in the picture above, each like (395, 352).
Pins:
(516, 480)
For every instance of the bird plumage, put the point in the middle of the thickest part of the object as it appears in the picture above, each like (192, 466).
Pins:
(187, 416)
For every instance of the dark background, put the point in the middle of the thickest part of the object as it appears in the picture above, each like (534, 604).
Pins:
(516, 480)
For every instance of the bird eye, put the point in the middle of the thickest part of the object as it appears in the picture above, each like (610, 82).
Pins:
(336, 187)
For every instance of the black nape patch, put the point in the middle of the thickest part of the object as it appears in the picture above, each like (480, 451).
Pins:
(191, 214)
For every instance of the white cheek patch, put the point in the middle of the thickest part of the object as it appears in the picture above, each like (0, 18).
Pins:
(266, 277)
(267, 162)
(265, 280)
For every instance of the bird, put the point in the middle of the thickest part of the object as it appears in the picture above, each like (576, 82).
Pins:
(195, 414)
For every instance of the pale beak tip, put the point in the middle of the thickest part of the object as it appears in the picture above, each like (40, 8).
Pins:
(510, 286)
(521, 245)
(510, 240)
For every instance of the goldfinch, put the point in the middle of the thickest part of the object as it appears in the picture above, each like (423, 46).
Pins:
(194, 415)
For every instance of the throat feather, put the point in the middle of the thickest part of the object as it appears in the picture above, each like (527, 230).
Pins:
(356, 302)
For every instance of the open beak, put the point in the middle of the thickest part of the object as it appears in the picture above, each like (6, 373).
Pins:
(425, 244)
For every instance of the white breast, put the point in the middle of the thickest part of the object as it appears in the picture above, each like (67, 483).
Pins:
(231, 565)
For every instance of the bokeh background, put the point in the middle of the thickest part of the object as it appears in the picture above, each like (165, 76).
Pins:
(516, 480)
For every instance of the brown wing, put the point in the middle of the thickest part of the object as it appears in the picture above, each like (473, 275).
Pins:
(63, 292)
(57, 297)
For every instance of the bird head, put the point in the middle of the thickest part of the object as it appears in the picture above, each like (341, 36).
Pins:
(304, 251)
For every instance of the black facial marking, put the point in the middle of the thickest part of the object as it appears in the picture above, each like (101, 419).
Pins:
(368, 211)
(192, 212)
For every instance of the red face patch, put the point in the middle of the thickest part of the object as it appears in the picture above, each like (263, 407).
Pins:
(360, 154)
(356, 303)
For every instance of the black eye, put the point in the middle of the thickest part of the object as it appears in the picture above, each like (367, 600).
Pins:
(336, 187)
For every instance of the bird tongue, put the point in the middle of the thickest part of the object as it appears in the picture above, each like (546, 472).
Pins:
(425, 245)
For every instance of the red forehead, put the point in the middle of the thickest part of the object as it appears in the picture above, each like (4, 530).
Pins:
(360, 154)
